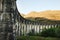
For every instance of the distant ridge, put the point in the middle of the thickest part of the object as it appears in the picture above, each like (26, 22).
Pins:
(49, 14)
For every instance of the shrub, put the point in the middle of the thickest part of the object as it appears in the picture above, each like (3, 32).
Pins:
(57, 32)
(52, 32)
(48, 32)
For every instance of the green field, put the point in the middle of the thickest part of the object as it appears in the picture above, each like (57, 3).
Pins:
(36, 38)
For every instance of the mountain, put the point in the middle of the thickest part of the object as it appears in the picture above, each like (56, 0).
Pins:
(49, 14)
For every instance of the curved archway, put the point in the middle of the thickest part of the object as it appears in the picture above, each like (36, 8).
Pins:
(16, 20)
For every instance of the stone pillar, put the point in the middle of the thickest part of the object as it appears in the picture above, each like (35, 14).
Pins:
(1, 6)
(6, 6)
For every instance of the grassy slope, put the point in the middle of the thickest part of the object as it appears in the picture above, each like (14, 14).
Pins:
(43, 20)
(49, 14)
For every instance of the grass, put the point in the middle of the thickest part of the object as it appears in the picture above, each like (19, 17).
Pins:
(36, 38)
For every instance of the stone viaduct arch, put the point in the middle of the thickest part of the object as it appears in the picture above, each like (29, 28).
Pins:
(13, 24)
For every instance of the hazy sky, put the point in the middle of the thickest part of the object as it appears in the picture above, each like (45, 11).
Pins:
(26, 6)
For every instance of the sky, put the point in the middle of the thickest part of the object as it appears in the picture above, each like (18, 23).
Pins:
(26, 6)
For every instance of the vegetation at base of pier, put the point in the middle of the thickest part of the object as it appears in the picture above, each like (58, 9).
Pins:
(51, 32)
(36, 38)
(46, 34)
